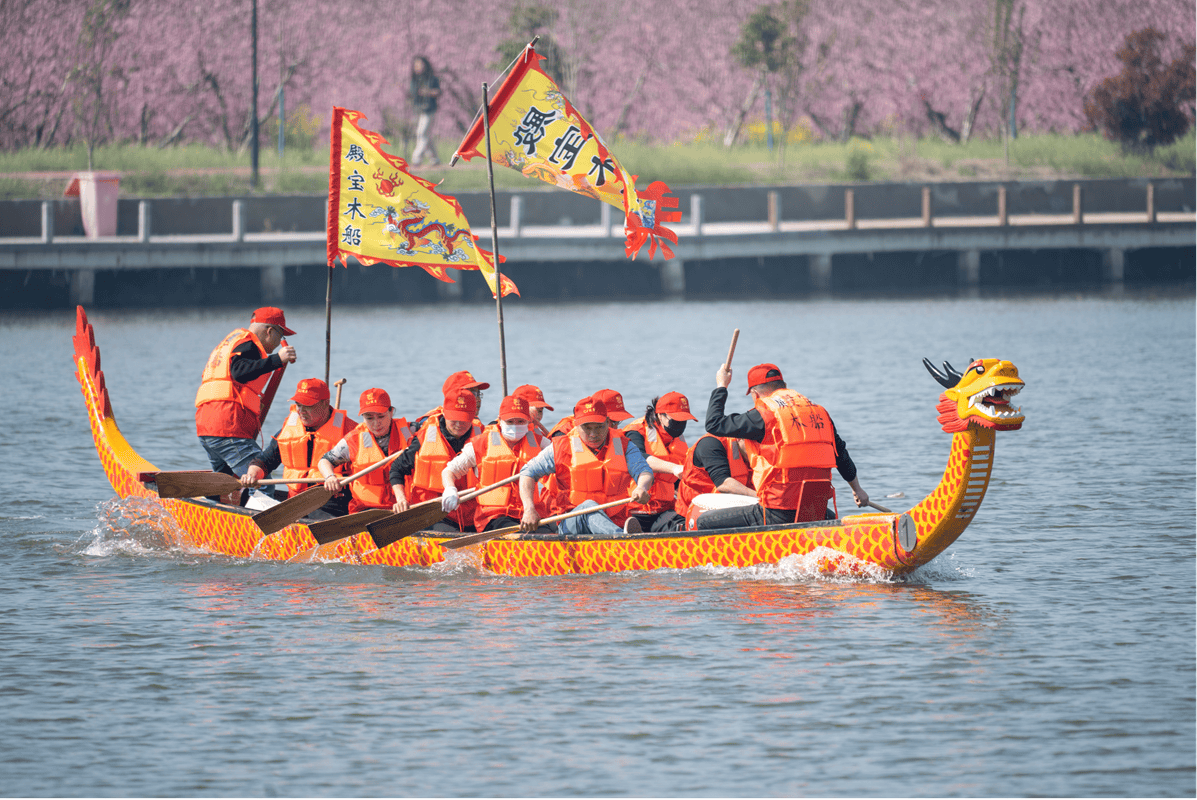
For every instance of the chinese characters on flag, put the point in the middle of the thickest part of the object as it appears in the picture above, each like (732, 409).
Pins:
(535, 130)
(378, 212)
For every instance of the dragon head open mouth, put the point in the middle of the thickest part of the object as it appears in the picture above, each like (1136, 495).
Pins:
(980, 395)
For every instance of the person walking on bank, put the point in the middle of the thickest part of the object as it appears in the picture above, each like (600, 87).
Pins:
(228, 405)
(424, 91)
(798, 443)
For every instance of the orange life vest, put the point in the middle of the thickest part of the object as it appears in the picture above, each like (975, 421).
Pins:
(563, 426)
(799, 444)
(373, 490)
(585, 475)
(432, 457)
(497, 459)
(695, 480)
(673, 451)
(293, 447)
(224, 407)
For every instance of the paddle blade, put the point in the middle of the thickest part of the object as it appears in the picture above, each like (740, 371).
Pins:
(332, 530)
(292, 509)
(475, 538)
(194, 484)
(398, 526)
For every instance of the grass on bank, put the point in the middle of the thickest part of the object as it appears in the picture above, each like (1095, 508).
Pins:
(196, 170)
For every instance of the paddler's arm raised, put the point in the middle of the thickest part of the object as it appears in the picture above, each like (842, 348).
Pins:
(749, 425)
(245, 364)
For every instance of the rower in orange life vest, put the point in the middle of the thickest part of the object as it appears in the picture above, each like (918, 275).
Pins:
(611, 400)
(658, 434)
(593, 464)
(378, 435)
(500, 451)
(312, 429)
(715, 464)
(228, 404)
(452, 385)
(416, 475)
(536, 405)
(798, 448)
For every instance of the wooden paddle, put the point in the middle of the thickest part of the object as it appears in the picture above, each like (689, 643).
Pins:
(304, 503)
(486, 536)
(204, 483)
(338, 384)
(327, 531)
(731, 351)
(420, 516)
(879, 508)
(268, 396)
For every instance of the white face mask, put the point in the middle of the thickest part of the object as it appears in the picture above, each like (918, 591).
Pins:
(513, 433)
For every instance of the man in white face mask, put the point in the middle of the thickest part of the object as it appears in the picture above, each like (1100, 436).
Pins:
(500, 451)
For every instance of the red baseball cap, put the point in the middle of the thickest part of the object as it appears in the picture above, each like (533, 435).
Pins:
(514, 407)
(613, 401)
(269, 315)
(590, 409)
(461, 407)
(763, 373)
(461, 380)
(675, 405)
(376, 401)
(310, 391)
(533, 395)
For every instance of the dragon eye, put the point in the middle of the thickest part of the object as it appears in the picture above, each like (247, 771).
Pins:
(979, 369)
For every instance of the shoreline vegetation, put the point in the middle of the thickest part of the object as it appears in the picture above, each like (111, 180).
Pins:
(199, 171)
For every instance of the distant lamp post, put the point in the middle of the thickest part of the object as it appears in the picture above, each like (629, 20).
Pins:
(253, 111)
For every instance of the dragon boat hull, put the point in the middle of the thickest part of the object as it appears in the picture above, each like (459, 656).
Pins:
(891, 542)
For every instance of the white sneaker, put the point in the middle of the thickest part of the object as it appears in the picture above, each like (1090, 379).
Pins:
(632, 525)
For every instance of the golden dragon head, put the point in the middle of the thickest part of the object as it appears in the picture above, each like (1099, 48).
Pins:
(980, 396)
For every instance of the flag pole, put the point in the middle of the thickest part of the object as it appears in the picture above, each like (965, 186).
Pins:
(494, 238)
(328, 323)
(506, 69)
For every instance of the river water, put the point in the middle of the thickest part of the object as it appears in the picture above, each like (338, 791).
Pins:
(1050, 651)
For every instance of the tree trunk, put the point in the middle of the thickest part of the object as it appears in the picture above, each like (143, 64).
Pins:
(621, 120)
(733, 130)
(940, 123)
(970, 117)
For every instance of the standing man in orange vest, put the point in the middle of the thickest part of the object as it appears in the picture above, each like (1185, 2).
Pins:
(416, 475)
(500, 451)
(228, 405)
(312, 429)
(593, 464)
(798, 447)
(377, 436)
(658, 434)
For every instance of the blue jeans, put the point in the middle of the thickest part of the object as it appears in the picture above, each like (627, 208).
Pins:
(597, 524)
(229, 454)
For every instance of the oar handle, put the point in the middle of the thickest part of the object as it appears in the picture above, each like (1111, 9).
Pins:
(372, 467)
(281, 481)
(483, 490)
(339, 384)
(879, 508)
(731, 351)
(486, 536)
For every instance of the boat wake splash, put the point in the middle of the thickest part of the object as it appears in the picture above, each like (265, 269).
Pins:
(134, 526)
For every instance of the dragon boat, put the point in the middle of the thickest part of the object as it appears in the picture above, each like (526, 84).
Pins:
(973, 407)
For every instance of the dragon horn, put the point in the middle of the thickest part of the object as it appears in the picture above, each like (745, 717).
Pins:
(952, 372)
(943, 380)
